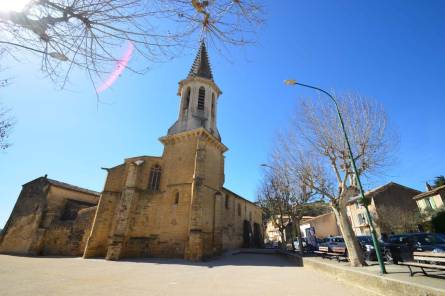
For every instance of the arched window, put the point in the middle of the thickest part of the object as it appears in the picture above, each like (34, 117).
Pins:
(155, 178)
(227, 201)
(186, 99)
(201, 98)
(177, 198)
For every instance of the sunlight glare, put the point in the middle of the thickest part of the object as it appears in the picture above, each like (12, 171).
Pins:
(13, 5)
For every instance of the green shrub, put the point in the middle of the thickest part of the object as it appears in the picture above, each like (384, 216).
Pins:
(438, 221)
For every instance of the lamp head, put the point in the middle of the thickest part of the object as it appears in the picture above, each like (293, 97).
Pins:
(290, 82)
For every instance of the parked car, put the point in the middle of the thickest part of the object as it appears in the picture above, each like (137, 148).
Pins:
(401, 247)
(307, 247)
(367, 246)
(332, 241)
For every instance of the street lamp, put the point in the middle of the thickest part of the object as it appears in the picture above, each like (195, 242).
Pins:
(354, 167)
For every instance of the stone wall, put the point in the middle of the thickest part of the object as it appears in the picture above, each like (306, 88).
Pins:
(185, 218)
(236, 210)
(20, 235)
(68, 238)
(48, 220)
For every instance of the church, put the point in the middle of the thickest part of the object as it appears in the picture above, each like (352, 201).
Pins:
(174, 205)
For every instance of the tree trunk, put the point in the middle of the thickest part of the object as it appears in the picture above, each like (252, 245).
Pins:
(283, 239)
(355, 253)
(292, 234)
(300, 240)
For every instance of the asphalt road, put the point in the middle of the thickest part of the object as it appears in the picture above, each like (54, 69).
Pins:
(245, 274)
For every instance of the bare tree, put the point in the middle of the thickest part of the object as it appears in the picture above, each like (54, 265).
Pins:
(287, 199)
(89, 34)
(317, 153)
(275, 203)
(6, 125)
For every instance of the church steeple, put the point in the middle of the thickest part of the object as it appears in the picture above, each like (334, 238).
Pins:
(201, 65)
(199, 95)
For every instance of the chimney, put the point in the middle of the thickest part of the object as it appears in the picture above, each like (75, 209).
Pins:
(428, 187)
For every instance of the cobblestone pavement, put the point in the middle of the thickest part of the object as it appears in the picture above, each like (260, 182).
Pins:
(245, 274)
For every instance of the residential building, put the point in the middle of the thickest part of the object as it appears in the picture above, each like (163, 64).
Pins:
(324, 225)
(391, 206)
(432, 199)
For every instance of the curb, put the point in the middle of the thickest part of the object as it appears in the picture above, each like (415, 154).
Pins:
(373, 283)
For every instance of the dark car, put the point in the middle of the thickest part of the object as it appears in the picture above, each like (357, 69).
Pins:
(367, 246)
(401, 247)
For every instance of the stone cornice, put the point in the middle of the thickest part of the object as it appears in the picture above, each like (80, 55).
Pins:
(200, 79)
(199, 132)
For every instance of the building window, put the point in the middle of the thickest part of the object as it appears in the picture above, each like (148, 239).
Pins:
(428, 203)
(432, 202)
(250, 216)
(213, 106)
(186, 99)
(201, 98)
(361, 219)
(155, 178)
(227, 201)
(239, 210)
(176, 198)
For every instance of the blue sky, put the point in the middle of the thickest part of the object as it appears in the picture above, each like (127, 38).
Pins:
(393, 51)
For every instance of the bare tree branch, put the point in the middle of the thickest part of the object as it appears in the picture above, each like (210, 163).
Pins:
(90, 34)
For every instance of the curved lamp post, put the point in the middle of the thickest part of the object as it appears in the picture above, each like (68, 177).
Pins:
(354, 167)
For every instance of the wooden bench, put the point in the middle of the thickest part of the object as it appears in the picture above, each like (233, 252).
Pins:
(322, 251)
(425, 260)
(340, 253)
(337, 253)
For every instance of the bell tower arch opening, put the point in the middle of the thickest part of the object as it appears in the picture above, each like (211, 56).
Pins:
(199, 98)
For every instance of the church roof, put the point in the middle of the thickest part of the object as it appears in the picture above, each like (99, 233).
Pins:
(65, 185)
(201, 65)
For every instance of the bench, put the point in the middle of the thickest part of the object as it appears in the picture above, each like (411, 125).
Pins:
(425, 260)
(337, 253)
(322, 251)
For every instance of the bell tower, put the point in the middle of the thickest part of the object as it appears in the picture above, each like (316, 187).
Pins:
(199, 98)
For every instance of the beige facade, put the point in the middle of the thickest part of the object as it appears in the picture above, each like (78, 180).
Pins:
(431, 200)
(49, 218)
(390, 206)
(172, 205)
(272, 232)
(324, 225)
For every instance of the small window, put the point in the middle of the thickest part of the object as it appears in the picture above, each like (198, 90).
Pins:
(155, 178)
(433, 203)
(227, 201)
(239, 210)
(201, 98)
(250, 216)
(361, 219)
(177, 198)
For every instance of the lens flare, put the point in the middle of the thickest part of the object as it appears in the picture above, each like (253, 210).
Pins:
(120, 67)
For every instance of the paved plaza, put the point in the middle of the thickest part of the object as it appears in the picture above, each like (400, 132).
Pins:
(244, 274)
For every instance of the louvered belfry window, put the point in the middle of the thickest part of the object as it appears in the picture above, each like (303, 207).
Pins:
(187, 99)
(201, 98)
(155, 178)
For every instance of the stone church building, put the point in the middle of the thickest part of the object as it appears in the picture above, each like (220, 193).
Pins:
(174, 205)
